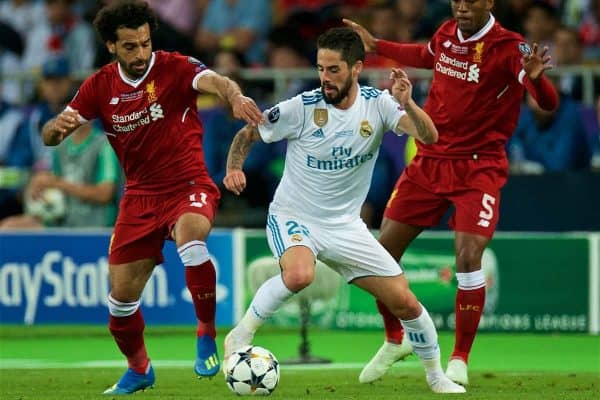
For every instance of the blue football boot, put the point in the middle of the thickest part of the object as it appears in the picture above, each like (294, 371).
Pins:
(132, 382)
(207, 359)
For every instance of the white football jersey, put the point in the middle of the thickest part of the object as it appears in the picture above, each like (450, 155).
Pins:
(330, 154)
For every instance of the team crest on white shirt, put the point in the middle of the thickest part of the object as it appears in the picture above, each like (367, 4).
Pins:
(320, 116)
(366, 129)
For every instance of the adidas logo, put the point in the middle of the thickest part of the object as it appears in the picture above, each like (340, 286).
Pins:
(318, 133)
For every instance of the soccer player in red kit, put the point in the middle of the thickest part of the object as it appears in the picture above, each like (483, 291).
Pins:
(480, 72)
(146, 102)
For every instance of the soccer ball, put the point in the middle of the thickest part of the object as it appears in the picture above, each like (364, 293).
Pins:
(252, 370)
(50, 207)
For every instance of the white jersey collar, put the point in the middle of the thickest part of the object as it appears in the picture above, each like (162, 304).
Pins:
(135, 83)
(482, 32)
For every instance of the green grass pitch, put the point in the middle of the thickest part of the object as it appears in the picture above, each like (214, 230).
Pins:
(79, 362)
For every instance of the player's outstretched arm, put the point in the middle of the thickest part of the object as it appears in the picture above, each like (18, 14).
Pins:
(235, 179)
(416, 122)
(409, 54)
(57, 129)
(243, 107)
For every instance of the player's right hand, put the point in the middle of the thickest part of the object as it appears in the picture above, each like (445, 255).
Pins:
(65, 123)
(401, 87)
(366, 37)
(235, 181)
(245, 108)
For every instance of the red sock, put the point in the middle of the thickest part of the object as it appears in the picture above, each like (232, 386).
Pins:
(201, 282)
(468, 308)
(129, 335)
(393, 328)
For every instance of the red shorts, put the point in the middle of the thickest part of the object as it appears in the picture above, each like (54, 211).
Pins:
(428, 186)
(146, 221)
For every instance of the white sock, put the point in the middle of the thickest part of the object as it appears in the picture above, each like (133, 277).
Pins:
(267, 300)
(470, 280)
(422, 335)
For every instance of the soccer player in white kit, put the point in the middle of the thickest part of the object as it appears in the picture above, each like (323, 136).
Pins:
(334, 133)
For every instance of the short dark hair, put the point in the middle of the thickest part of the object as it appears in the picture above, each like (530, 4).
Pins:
(344, 40)
(123, 14)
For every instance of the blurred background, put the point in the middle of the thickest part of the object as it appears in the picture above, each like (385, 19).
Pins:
(550, 214)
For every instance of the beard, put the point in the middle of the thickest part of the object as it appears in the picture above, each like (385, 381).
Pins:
(341, 93)
(131, 71)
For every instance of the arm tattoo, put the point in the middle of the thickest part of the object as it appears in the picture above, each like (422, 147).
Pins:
(423, 133)
(241, 146)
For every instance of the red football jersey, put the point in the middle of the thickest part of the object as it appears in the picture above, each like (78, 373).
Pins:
(476, 91)
(151, 122)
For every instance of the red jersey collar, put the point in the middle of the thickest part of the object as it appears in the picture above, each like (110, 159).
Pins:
(482, 32)
(135, 83)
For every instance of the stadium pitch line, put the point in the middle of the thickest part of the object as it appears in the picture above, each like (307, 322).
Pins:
(46, 364)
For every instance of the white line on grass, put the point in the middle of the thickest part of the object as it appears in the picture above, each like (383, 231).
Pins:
(46, 364)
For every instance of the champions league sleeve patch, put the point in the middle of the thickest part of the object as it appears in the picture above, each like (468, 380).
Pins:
(525, 49)
(195, 61)
(273, 115)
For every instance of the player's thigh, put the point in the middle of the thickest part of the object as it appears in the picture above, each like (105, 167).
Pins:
(127, 281)
(353, 251)
(189, 213)
(415, 203)
(476, 211)
(298, 267)
(190, 226)
(396, 236)
(136, 235)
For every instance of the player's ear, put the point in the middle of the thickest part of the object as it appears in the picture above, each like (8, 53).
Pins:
(357, 68)
(111, 46)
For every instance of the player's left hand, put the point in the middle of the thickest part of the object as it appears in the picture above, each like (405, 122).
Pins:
(245, 108)
(401, 88)
(535, 64)
(235, 181)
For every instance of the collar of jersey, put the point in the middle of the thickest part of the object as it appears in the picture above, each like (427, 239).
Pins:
(486, 28)
(135, 83)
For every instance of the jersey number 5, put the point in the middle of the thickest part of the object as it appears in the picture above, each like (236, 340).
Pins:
(487, 213)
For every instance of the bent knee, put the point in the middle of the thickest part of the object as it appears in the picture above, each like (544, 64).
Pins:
(298, 277)
(405, 305)
(468, 258)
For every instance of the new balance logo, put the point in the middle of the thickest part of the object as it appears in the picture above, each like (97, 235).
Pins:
(318, 134)
(484, 223)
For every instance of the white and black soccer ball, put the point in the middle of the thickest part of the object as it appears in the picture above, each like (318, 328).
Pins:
(50, 207)
(252, 370)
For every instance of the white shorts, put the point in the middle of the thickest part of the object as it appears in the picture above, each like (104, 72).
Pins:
(351, 249)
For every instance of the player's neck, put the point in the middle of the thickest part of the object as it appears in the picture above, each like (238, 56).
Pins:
(349, 100)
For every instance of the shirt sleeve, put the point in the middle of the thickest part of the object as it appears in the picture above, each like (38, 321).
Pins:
(85, 100)
(391, 111)
(189, 70)
(283, 121)
(514, 50)
(107, 170)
